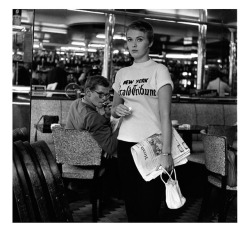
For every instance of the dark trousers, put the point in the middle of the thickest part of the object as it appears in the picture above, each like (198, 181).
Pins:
(142, 198)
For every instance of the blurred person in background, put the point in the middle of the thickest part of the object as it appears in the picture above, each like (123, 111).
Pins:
(217, 82)
(23, 77)
(59, 75)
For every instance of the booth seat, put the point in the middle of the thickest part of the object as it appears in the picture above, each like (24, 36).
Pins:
(204, 114)
(41, 107)
(186, 113)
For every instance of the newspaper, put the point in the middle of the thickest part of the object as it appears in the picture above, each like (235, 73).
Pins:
(146, 154)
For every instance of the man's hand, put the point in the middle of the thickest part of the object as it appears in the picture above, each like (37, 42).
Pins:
(107, 110)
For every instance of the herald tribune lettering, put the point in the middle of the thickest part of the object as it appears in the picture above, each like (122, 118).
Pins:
(137, 90)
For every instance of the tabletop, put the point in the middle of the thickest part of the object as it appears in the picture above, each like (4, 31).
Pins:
(191, 128)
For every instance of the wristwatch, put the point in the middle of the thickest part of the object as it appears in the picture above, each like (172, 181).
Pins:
(167, 154)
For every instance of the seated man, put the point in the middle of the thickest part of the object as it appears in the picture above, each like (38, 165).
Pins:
(83, 114)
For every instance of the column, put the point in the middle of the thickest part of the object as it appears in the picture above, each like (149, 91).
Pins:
(107, 57)
(202, 32)
(232, 58)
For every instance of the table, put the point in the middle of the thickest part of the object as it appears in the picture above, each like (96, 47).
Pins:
(188, 132)
(39, 127)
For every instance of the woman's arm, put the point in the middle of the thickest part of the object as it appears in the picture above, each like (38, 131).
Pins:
(165, 97)
(118, 108)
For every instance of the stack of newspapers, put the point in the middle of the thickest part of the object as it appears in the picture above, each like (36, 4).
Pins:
(146, 154)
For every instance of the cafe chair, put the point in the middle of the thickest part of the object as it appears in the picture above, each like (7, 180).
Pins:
(80, 158)
(229, 131)
(216, 164)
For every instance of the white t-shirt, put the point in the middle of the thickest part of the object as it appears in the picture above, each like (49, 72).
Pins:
(138, 85)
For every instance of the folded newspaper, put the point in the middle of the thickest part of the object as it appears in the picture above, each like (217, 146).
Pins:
(146, 154)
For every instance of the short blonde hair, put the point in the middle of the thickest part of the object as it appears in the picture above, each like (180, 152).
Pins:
(143, 26)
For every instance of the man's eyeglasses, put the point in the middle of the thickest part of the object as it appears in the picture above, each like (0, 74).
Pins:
(101, 95)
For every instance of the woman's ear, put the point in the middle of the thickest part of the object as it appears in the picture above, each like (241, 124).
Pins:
(150, 45)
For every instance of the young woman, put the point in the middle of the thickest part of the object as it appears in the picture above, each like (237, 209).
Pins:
(142, 96)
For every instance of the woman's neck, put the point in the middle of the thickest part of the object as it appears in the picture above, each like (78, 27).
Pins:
(141, 60)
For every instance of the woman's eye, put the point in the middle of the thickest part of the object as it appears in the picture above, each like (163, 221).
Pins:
(140, 39)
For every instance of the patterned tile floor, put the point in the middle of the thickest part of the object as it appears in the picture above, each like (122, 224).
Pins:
(114, 210)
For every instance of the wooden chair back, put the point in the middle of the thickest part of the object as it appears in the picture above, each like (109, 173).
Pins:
(223, 130)
(215, 148)
(80, 156)
(216, 163)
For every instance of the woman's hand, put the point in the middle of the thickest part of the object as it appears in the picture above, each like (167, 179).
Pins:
(167, 162)
(121, 110)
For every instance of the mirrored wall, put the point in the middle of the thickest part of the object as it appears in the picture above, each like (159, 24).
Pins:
(77, 38)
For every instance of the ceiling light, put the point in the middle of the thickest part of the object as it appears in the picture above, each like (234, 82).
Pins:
(156, 55)
(19, 28)
(157, 59)
(73, 48)
(87, 11)
(79, 54)
(92, 50)
(78, 43)
(193, 55)
(46, 36)
(162, 20)
(173, 21)
(195, 24)
(37, 35)
(181, 56)
(115, 37)
(52, 30)
(100, 36)
(187, 40)
(54, 25)
(119, 37)
(96, 45)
